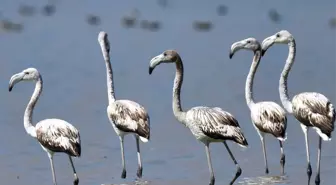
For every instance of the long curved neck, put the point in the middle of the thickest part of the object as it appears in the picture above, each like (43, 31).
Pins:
(177, 109)
(286, 102)
(110, 86)
(28, 115)
(109, 75)
(250, 77)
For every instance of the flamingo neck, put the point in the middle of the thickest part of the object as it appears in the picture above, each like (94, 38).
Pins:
(28, 115)
(285, 100)
(177, 108)
(110, 85)
(250, 78)
(109, 72)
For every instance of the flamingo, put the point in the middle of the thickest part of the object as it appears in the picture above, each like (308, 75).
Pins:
(267, 117)
(311, 109)
(207, 124)
(54, 135)
(126, 116)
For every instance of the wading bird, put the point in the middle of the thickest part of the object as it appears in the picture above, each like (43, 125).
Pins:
(311, 109)
(54, 135)
(267, 117)
(126, 117)
(206, 124)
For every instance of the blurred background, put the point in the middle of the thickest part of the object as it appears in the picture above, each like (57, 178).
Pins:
(59, 38)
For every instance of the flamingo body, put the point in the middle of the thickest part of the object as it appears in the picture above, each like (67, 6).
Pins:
(214, 125)
(59, 136)
(315, 110)
(268, 117)
(129, 117)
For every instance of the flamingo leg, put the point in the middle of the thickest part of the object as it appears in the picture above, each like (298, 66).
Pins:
(76, 180)
(265, 154)
(123, 173)
(139, 172)
(309, 169)
(212, 176)
(51, 156)
(239, 171)
(317, 178)
(282, 159)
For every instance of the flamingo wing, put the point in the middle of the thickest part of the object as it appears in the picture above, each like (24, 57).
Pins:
(217, 124)
(59, 136)
(129, 116)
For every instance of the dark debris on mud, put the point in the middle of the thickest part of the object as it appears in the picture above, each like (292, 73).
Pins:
(142, 182)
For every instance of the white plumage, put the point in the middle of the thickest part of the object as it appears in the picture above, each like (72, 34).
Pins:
(129, 117)
(54, 135)
(311, 109)
(58, 136)
(126, 117)
(270, 118)
(214, 125)
(206, 124)
(315, 110)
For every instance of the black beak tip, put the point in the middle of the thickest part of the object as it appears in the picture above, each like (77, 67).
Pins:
(150, 70)
(231, 55)
(10, 88)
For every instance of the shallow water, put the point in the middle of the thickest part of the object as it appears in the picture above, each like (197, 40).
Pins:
(65, 50)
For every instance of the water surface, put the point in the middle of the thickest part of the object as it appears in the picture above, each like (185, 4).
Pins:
(65, 50)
